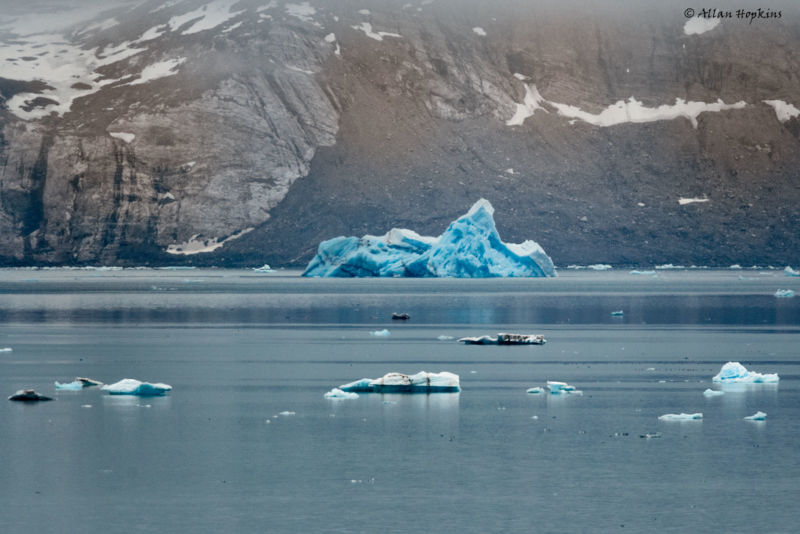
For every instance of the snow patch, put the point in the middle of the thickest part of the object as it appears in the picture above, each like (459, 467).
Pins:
(477, 30)
(699, 25)
(196, 245)
(366, 27)
(530, 104)
(783, 110)
(683, 201)
(302, 11)
(127, 137)
(162, 69)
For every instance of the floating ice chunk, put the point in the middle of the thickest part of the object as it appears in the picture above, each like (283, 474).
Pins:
(788, 271)
(599, 267)
(735, 372)
(75, 385)
(469, 248)
(130, 386)
(562, 388)
(784, 293)
(445, 338)
(758, 416)
(617, 313)
(535, 391)
(708, 393)
(28, 395)
(669, 266)
(7, 349)
(645, 273)
(735, 267)
(505, 339)
(421, 382)
(380, 333)
(338, 394)
(681, 417)
(287, 413)
(263, 269)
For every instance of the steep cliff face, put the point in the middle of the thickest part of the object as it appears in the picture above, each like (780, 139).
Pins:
(271, 126)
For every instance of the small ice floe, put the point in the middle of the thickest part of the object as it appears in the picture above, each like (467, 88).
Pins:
(263, 269)
(338, 394)
(736, 373)
(599, 267)
(28, 395)
(788, 271)
(421, 382)
(380, 333)
(681, 417)
(668, 267)
(86, 405)
(708, 393)
(758, 416)
(784, 293)
(562, 388)
(6, 349)
(535, 391)
(445, 338)
(400, 316)
(505, 339)
(617, 313)
(287, 413)
(69, 386)
(130, 386)
(645, 273)
(654, 435)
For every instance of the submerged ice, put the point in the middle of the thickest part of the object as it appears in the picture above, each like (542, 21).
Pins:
(469, 248)
(736, 373)
(421, 382)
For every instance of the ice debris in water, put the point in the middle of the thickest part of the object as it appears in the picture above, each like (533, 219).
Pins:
(337, 393)
(380, 333)
(130, 386)
(469, 248)
(535, 391)
(599, 267)
(445, 338)
(287, 413)
(75, 385)
(758, 416)
(421, 382)
(784, 293)
(708, 393)
(681, 417)
(617, 313)
(736, 373)
(647, 273)
(788, 271)
(6, 349)
(562, 388)
(263, 269)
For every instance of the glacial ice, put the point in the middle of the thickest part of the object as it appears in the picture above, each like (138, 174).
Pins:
(784, 293)
(75, 385)
(681, 417)
(736, 373)
(338, 394)
(130, 386)
(469, 248)
(535, 391)
(562, 388)
(6, 349)
(758, 416)
(788, 271)
(708, 393)
(380, 333)
(421, 382)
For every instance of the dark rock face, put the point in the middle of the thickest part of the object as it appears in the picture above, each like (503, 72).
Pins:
(290, 123)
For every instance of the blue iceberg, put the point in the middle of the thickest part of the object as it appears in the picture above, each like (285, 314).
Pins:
(130, 386)
(469, 248)
(736, 373)
(421, 382)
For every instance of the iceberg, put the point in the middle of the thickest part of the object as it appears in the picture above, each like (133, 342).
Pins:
(562, 388)
(28, 395)
(708, 393)
(505, 339)
(130, 386)
(681, 417)
(788, 271)
(337, 394)
(617, 313)
(75, 385)
(736, 373)
(421, 382)
(469, 248)
(758, 416)
(263, 269)
(784, 293)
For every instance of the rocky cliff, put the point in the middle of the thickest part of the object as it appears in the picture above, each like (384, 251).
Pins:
(244, 132)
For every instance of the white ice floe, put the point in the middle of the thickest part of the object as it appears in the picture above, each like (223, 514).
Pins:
(380, 333)
(699, 25)
(735, 267)
(562, 388)
(617, 313)
(162, 69)
(681, 417)
(683, 201)
(263, 269)
(788, 271)
(198, 245)
(477, 30)
(75, 385)
(6, 349)
(535, 391)
(784, 293)
(669, 266)
(736, 373)
(783, 110)
(287, 413)
(302, 11)
(532, 101)
(422, 382)
(338, 394)
(599, 267)
(708, 393)
(642, 273)
(758, 416)
(366, 27)
(445, 338)
(130, 386)
(521, 77)
(127, 137)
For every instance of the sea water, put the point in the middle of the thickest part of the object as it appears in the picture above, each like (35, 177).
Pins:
(246, 441)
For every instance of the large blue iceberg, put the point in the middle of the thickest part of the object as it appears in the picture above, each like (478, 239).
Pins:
(469, 248)
(421, 382)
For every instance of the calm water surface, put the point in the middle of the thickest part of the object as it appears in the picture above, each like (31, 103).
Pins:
(218, 454)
